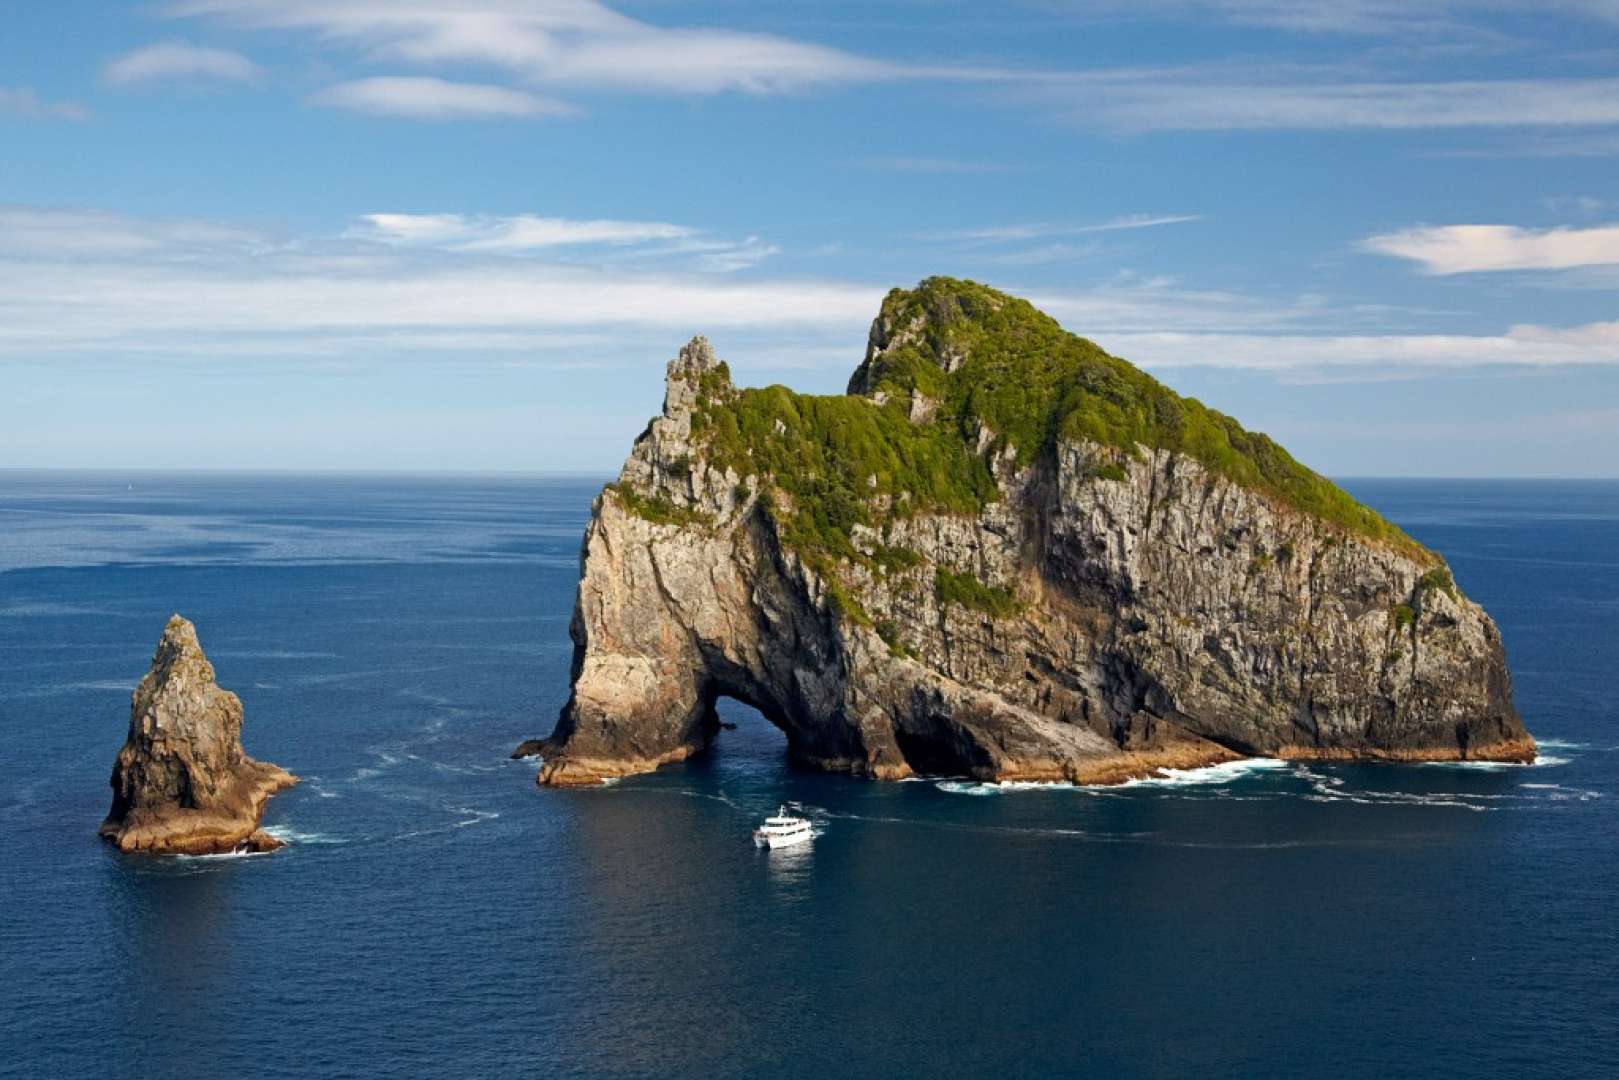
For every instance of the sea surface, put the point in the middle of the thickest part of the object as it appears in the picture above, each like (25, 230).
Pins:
(436, 914)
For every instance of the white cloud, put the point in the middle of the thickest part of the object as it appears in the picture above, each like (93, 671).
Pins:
(1215, 99)
(1601, 336)
(706, 62)
(1599, 144)
(560, 42)
(424, 98)
(103, 284)
(89, 285)
(528, 234)
(115, 307)
(180, 59)
(1368, 17)
(583, 44)
(24, 102)
(1047, 230)
(524, 232)
(1133, 304)
(67, 233)
(1464, 249)
(726, 258)
(1521, 346)
(1045, 254)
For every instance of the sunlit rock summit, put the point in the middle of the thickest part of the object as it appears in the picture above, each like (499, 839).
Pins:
(1005, 554)
(181, 783)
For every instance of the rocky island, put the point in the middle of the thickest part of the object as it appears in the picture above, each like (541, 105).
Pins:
(181, 784)
(1005, 554)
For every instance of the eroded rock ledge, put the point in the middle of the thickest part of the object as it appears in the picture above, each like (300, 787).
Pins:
(182, 784)
(1132, 586)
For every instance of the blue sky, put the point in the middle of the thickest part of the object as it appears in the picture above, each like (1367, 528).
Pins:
(425, 234)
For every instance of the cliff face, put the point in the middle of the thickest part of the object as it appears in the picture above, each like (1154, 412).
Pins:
(181, 784)
(1010, 556)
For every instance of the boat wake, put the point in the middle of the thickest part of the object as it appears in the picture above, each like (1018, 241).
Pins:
(288, 835)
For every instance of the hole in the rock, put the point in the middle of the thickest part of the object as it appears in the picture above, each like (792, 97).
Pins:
(747, 732)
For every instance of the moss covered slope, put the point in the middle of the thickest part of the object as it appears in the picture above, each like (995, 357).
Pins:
(957, 371)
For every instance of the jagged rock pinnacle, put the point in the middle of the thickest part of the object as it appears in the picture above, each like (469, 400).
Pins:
(684, 378)
(181, 783)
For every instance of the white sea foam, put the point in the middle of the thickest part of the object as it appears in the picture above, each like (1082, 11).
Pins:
(288, 835)
(222, 855)
(1223, 773)
(1003, 787)
(1331, 789)
(477, 817)
(385, 760)
(1542, 761)
(967, 787)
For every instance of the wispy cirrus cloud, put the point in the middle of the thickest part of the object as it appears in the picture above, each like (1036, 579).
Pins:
(71, 234)
(1377, 18)
(1581, 145)
(102, 285)
(1047, 230)
(523, 232)
(527, 234)
(577, 43)
(1470, 249)
(1216, 98)
(1526, 346)
(91, 286)
(180, 60)
(561, 46)
(24, 102)
(426, 98)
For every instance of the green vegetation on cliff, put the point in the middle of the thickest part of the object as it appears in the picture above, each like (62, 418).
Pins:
(841, 461)
(656, 508)
(1032, 383)
(953, 587)
(983, 360)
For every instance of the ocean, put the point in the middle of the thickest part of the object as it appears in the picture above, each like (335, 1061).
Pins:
(435, 913)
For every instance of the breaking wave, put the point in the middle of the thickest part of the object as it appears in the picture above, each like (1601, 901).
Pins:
(288, 835)
(1223, 773)
(1001, 787)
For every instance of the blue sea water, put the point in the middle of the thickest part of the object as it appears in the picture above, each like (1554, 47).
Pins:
(437, 914)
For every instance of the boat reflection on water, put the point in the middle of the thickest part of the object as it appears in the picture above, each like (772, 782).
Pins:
(790, 866)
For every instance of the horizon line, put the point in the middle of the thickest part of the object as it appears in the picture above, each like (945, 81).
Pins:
(608, 474)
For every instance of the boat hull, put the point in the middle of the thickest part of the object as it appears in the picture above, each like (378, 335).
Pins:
(788, 840)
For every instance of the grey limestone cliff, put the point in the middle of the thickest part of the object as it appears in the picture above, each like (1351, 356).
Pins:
(1118, 592)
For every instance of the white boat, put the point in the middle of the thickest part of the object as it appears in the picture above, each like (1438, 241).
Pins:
(782, 830)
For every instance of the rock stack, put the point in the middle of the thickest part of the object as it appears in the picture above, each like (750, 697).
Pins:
(182, 784)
